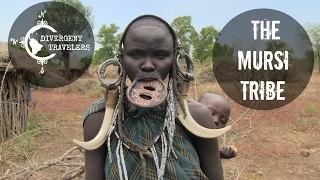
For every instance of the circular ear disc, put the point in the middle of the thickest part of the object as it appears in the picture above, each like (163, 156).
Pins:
(102, 74)
(147, 94)
(189, 74)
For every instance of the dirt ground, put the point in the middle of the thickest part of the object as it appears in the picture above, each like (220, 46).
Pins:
(277, 144)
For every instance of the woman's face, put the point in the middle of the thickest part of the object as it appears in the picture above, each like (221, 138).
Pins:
(148, 52)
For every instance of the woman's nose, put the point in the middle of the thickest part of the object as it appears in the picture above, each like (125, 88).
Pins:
(148, 65)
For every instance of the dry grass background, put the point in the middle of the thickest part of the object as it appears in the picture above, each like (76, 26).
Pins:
(269, 142)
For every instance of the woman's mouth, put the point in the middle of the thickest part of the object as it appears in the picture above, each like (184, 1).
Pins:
(147, 79)
(147, 93)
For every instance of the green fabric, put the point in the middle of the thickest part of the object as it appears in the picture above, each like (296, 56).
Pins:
(142, 126)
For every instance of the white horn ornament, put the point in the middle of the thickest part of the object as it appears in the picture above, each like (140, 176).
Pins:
(101, 137)
(191, 125)
(188, 122)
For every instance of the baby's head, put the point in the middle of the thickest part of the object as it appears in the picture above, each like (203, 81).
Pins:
(219, 107)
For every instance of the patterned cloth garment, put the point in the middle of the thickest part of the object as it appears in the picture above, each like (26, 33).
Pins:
(142, 126)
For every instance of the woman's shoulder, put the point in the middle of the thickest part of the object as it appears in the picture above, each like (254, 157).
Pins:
(96, 106)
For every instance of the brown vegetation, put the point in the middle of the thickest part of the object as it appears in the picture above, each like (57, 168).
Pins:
(270, 143)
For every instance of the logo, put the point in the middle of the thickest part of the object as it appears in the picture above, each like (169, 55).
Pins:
(58, 37)
(263, 59)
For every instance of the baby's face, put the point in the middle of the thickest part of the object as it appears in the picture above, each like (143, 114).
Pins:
(219, 109)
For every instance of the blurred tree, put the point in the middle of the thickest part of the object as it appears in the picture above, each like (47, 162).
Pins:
(203, 46)
(314, 34)
(69, 22)
(108, 39)
(221, 51)
(186, 33)
(274, 46)
(85, 62)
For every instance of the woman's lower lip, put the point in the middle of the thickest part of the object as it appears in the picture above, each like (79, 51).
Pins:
(146, 92)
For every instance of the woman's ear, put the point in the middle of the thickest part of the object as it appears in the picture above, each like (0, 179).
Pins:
(119, 56)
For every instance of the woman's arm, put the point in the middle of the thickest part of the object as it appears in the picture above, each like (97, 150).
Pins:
(209, 156)
(94, 159)
(207, 149)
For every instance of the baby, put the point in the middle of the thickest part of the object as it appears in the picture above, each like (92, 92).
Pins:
(220, 110)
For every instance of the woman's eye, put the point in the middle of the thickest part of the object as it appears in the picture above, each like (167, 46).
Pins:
(135, 55)
(160, 56)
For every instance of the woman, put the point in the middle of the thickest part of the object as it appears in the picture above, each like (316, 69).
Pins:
(147, 141)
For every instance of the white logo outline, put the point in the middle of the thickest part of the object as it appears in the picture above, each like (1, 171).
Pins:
(33, 29)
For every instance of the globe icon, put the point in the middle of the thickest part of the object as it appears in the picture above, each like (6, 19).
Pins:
(35, 46)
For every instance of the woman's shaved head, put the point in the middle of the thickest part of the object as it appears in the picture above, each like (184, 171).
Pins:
(150, 20)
